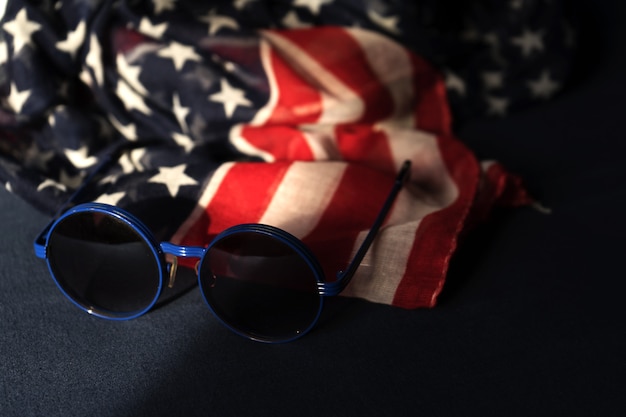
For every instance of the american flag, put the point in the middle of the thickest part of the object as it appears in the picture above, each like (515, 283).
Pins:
(291, 113)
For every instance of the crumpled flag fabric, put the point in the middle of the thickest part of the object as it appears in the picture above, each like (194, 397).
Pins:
(302, 129)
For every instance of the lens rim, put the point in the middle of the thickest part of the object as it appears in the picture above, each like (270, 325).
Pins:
(294, 243)
(139, 228)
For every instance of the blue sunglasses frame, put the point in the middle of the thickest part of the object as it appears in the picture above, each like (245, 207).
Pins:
(161, 249)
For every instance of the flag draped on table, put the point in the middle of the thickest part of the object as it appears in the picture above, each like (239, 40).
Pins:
(291, 113)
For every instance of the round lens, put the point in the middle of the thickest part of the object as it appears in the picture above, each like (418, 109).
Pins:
(103, 264)
(261, 286)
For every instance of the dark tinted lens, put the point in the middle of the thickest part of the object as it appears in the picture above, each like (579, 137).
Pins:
(260, 286)
(103, 264)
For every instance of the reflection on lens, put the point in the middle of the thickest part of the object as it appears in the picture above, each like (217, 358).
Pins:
(103, 264)
(260, 286)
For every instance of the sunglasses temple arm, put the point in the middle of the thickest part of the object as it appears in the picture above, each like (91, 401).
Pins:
(111, 156)
(344, 277)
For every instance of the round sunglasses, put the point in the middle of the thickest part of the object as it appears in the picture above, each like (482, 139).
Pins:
(260, 281)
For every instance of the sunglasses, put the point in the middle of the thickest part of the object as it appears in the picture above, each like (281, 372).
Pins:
(260, 281)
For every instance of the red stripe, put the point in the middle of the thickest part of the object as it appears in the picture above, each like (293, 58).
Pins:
(353, 208)
(336, 50)
(432, 113)
(298, 102)
(436, 237)
(285, 143)
(366, 145)
(243, 197)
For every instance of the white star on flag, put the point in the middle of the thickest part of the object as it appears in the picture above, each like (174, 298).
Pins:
(230, 97)
(130, 98)
(51, 183)
(21, 29)
(17, 99)
(492, 79)
(162, 5)
(74, 39)
(94, 59)
(128, 131)
(179, 54)
(154, 31)
(313, 5)
(72, 181)
(173, 178)
(130, 74)
(109, 179)
(217, 22)
(52, 120)
(111, 199)
(79, 158)
(180, 112)
(183, 141)
(497, 106)
(292, 21)
(131, 161)
(516, 4)
(389, 23)
(454, 83)
(529, 41)
(240, 4)
(544, 87)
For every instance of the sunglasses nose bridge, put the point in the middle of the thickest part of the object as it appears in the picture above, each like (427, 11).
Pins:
(172, 252)
(182, 251)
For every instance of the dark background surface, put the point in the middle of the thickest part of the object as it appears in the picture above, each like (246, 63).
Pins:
(531, 321)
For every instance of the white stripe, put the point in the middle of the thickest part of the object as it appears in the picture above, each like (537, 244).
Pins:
(392, 66)
(339, 103)
(206, 197)
(432, 184)
(384, 265)
(242, 145)
(303, 195)
(322, 142)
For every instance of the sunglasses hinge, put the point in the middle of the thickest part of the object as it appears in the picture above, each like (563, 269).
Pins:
(329, 289)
